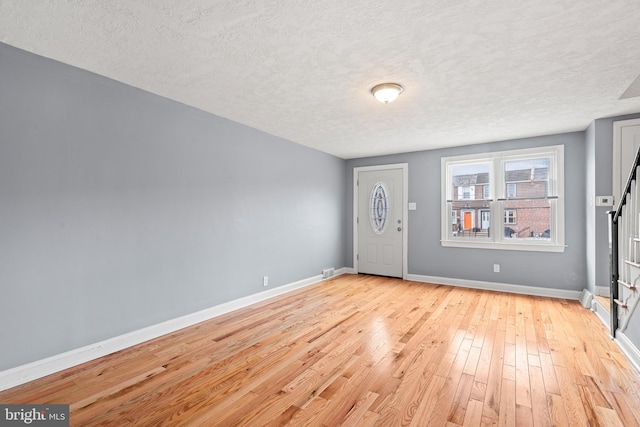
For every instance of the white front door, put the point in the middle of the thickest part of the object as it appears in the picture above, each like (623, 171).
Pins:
(380, 222)
(485, 219)
(626, 140)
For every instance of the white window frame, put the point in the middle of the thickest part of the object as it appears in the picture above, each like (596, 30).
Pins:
(469, 190)
(498, 190)
(513, 217)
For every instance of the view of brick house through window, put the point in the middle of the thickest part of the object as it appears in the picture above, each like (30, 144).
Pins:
(527, 209)
(531, 211)
(509, 200)
(470, 210)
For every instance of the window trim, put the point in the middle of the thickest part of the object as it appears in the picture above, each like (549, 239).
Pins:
(498, 197)
(513, 217)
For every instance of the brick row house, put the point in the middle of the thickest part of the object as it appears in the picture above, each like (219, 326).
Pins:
(526, 211)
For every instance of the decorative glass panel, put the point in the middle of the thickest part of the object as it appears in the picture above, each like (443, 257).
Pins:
(379, 208)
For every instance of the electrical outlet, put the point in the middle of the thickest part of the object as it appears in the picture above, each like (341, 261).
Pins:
(496, 268)
(265, 281)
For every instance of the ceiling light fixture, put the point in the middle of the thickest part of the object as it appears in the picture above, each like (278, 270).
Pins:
(386, 92)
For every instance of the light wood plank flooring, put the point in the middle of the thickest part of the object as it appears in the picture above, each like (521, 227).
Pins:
(363, 351)
(604, 301)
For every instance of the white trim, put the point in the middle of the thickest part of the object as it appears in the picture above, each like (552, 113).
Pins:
(529, 246)
(617, 150)
(602, 312)
(586, 299)
(602, 291)
(500, 287)
(627, 347)
(405, 211)
(40, 368)
(624, 343)
(496, 161)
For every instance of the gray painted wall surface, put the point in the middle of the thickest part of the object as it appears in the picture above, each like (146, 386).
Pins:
(121, 209)
(603, 175)
(566, 270)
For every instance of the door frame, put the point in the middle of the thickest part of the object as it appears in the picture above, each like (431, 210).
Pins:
(618, 186)
(405, 211)
(482, 212)
(472, 214)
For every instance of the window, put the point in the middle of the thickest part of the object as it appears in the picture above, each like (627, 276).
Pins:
(486, 191)
(509, 216)
(517, 193)
(465, 193)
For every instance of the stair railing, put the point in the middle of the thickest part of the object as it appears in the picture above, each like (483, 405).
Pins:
(624, 259)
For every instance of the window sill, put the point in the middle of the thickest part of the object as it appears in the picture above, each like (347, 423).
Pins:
(519, 246)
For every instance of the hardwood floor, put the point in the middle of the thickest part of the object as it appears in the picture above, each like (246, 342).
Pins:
(363, 351)
(604, 301)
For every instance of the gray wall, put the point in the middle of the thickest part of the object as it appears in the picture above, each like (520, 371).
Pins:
(566, 270)
(603, 186)
(603, 147)
(121, 209)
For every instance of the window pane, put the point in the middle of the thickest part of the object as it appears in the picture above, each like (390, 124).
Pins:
(510, 216)
(470, 182)
(527, 219)
(470, 219)
(470, 190)
(527, 178)
(504, 200)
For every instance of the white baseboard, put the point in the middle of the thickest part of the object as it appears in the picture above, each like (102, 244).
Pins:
(602, 291)
(627, 347)
(586, 299)
(602, 312)
(40, 368)
(500, 287)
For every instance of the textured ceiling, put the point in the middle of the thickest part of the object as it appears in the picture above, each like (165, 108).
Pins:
(473, 71)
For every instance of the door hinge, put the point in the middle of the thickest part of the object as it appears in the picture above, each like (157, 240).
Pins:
(357, 220)
(357, 257)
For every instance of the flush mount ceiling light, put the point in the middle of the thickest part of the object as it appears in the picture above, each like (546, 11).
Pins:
(386, 92)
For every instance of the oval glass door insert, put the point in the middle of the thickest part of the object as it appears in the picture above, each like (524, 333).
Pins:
(379, 208)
